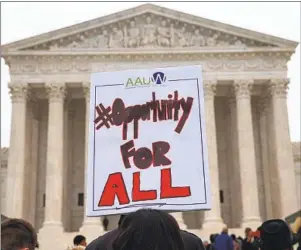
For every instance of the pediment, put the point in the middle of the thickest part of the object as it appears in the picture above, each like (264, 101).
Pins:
(147, 26)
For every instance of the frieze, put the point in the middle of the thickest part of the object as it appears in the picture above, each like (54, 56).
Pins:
(70, 64)
(148, 31)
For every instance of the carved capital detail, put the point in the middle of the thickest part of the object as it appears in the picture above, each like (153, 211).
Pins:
(86, 89)
(209, 88)
(279, 87)
(56, 91)
(18, 92)
(243, 88)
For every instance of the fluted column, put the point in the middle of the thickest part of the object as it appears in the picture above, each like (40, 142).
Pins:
(16, 159)
(212, 218)
(54, 162)
(283, 148)
(265, 161)
(91, 225)
(246, 152)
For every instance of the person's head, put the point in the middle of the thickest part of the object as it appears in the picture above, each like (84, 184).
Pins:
(212, 238)
(79, 240)
(205, 243)
(149, 229)
(233, 236)
(225, 230)
(248, 232)
(17, 234)
(275, 235)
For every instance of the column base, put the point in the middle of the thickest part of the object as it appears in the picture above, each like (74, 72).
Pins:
(252, 222)
(92, 228)
(51, 234)
(215, 223)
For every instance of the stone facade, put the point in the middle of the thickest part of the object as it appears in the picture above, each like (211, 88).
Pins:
(250, 153)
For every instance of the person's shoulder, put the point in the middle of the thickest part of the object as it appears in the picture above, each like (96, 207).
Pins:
(190, 238)
(102, 241)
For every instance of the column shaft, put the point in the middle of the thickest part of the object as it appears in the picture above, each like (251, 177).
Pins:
(91, 225)
(54, 164)
(264, 145)
(16, 158)
(212, 218)
(283, 148)
(250, 202)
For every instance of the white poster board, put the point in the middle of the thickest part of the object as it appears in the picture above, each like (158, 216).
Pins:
(147, 143)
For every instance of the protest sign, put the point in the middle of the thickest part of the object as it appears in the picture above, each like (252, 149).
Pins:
(147, 143)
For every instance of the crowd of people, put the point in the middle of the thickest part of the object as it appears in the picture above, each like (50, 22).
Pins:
(150, 229)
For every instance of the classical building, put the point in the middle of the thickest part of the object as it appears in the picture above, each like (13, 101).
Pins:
(245, 84)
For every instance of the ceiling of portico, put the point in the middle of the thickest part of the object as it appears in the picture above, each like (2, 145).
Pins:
(147, 27)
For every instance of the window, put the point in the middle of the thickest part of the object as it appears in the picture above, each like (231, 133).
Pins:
(221, 196)
(80, 200)
(44, 200)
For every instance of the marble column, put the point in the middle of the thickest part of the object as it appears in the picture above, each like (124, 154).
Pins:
(16, 159)
(235, 182)
(212, 218)
(284, 163)
(265, 161)
(54, 162)
(92, 226)
(246, 152)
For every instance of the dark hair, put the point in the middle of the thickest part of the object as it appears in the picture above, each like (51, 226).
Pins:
(149, 229)
(212, 238)
(121, 219)
(233, 236)
(16, 234)
(78, 239)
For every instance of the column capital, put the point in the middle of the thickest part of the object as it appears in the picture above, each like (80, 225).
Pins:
(86, 89)
(56, 91)
(19, 92)
(243, 88)
(209, 88)
(279, 87)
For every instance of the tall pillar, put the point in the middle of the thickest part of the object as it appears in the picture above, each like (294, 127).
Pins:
(265, 161)
(235, 182)
(16, 159)
(283, 148)
(212, 218)
(92, 226)
(54, 162)
(246, 152)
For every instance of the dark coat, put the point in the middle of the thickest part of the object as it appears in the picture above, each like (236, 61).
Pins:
(104, 242)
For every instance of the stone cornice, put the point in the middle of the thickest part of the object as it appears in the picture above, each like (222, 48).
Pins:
(259, 51)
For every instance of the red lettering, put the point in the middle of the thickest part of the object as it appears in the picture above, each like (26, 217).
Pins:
(141, 195)
(115, 186)
(126, 153)
(167, 190)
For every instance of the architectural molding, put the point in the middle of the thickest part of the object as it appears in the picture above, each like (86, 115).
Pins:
(19, 92)
(209, 87)
(56, 91)
(279, 87)
(243, 88)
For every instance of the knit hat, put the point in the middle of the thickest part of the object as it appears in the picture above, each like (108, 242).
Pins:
(275, 235)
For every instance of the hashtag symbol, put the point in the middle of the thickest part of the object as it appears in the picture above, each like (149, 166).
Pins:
(104, 117)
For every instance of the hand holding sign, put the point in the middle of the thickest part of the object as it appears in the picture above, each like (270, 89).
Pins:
(161, 162)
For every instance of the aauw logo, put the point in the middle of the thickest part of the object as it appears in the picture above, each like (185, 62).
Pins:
(157, 78)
